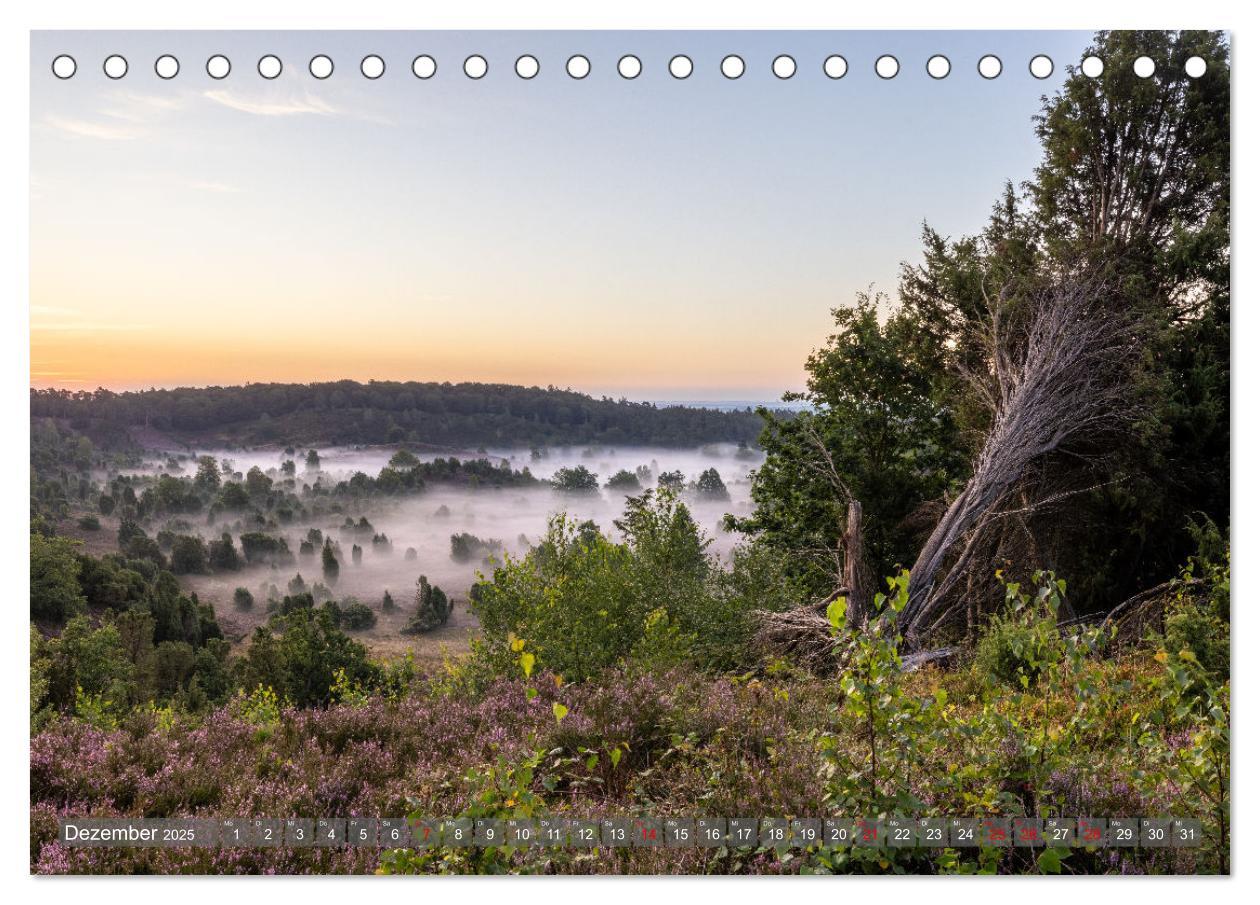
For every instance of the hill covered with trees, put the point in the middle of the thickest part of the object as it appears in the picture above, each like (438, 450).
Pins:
(348, 412)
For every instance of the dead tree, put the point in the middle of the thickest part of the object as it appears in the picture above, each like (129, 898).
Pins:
(805, 633)
(852, 575)
(1060, 366)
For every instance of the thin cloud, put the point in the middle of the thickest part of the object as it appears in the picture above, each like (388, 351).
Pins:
(154, 101)
(274, 107)
(140, 108)
(85, 129)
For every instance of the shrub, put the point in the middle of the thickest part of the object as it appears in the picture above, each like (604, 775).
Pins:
(55, 592)
(90, 523)
(467, 547)
(1198, 618)
(135, 544)
(710, 485)
(175, 661)
(302, 661)
(433, 608)
(242, 599)
(332, 568)
(582, 602)
(109, 583)
(1021, 643)
(294, 602)
(575, 602)
(357, 617)
(1195, 628)
(189, 555)
(222, 554)
(663, 645)
(258, 547)
(626, 481)
(90, 660)
(578, 479)
(670, 480)
(998, 654)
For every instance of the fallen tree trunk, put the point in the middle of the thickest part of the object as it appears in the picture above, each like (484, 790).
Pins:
(1060, 372)
(805, 634)
(940, 656)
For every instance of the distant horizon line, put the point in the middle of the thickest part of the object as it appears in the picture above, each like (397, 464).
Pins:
(682, 396)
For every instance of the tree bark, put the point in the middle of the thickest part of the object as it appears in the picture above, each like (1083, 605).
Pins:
(855, 572)
(1059, 372)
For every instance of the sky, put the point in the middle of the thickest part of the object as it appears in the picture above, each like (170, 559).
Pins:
(651, 238)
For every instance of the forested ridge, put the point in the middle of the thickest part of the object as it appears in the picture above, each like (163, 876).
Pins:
(348, 412)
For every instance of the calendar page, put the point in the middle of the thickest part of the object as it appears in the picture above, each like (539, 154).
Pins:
(629, 452)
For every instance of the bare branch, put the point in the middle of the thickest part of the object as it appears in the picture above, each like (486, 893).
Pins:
(1060, 365)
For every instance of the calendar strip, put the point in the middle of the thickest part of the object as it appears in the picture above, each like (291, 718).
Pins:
(638, 832)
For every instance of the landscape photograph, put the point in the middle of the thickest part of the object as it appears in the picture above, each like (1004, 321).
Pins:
(724, 453)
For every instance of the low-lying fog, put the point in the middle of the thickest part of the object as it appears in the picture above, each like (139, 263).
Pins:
(517, 517)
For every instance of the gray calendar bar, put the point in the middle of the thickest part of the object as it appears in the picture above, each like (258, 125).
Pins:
(768, 833)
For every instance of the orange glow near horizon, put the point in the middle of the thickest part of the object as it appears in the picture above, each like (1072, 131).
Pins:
(88, 358)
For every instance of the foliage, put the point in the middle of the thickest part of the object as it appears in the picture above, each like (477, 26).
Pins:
(433, 608)
(672, 481)
(575, 479)
(189, 555)
(1188, 738)
(619, 677)
(357, 617)
(1024, 641)
(1133, 184)
(299, 654)
(1195, 629)
(55, 592)
(261, 707)
(331, 566)
(624, 480)
(221, 554)
(582, 602)
(467, 547)
(663, 645)
(1198, 617)
(875, 777)
(260, 547)
(876, 425)
(710, 485)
